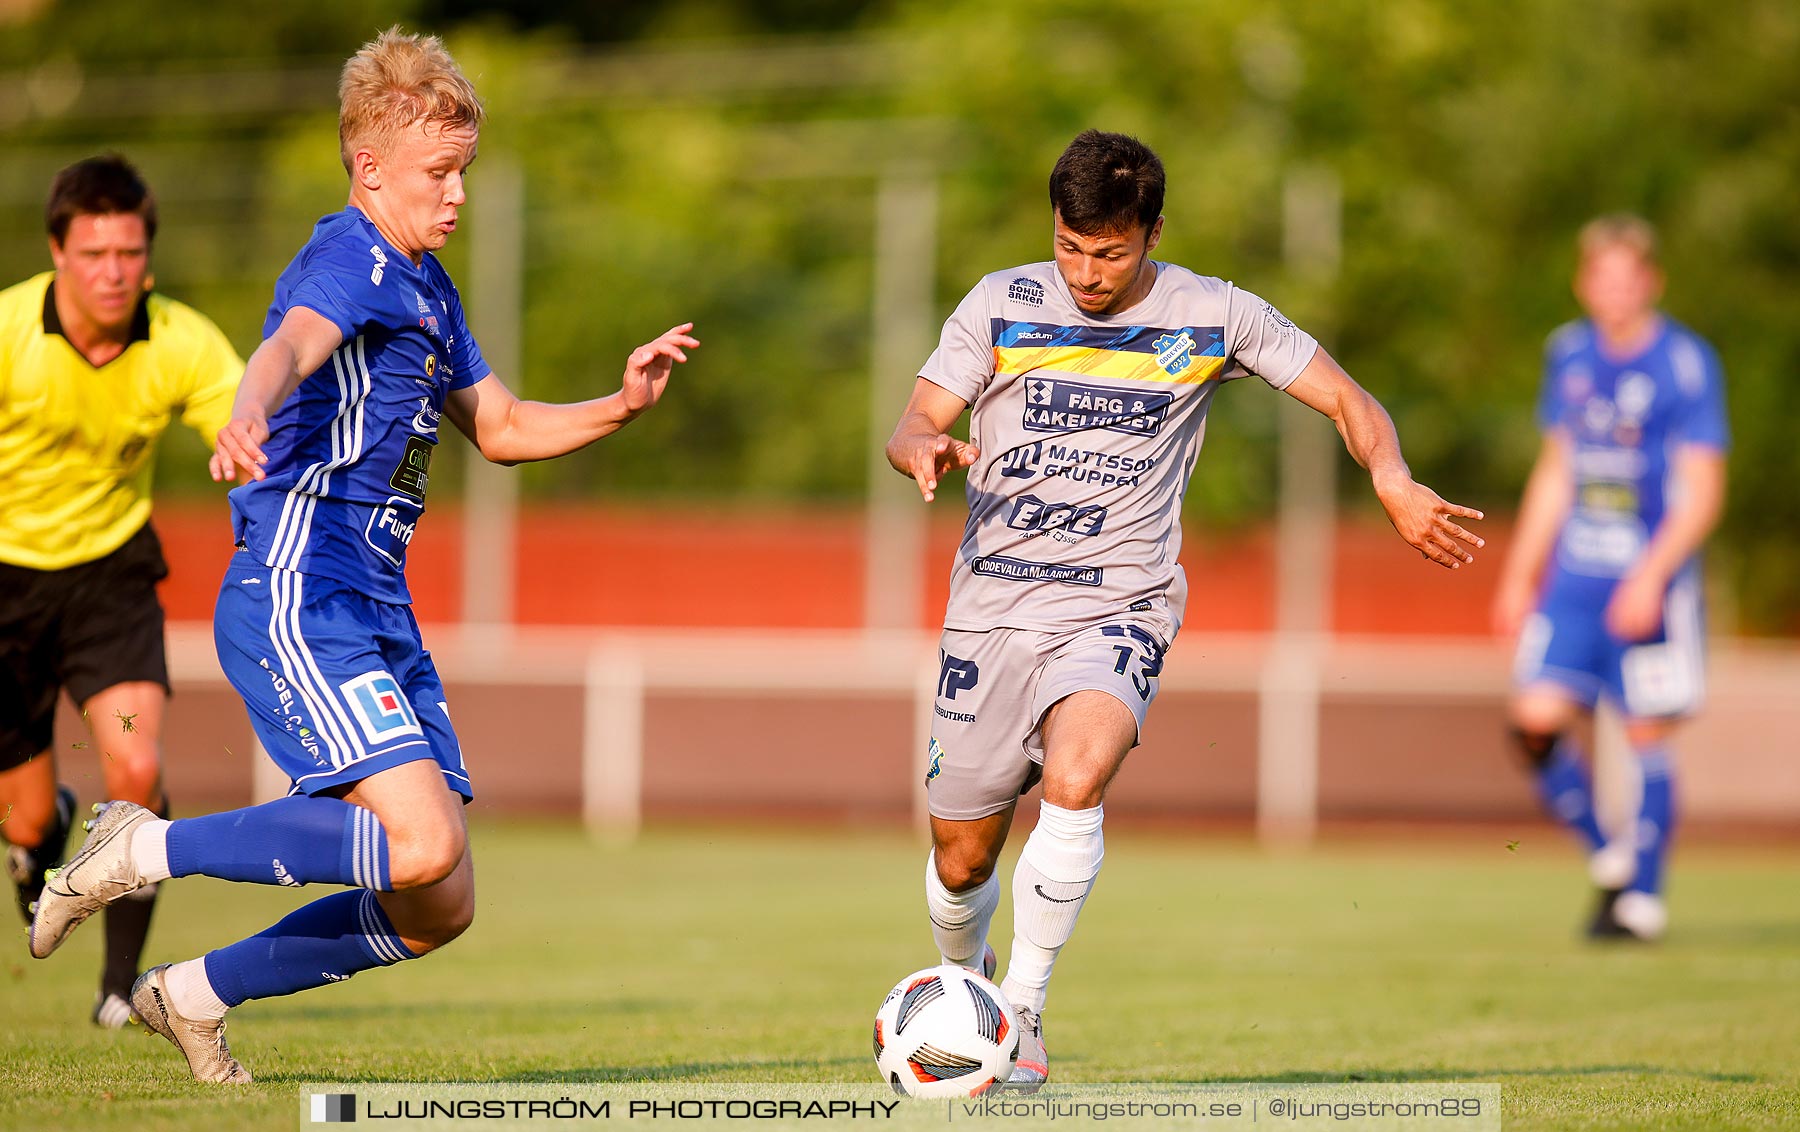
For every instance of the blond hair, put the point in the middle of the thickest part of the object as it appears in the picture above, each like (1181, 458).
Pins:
(1619, 230)
(396, 81)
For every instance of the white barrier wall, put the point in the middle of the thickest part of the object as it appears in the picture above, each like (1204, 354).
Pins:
(617, 725)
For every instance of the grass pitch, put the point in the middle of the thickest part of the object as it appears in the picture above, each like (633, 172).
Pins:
(726, 955)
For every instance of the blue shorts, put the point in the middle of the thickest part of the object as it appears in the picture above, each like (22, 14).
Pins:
(1565, 643)
(338, 685)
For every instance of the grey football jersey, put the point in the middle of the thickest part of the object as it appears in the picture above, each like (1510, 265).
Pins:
(1088, 428)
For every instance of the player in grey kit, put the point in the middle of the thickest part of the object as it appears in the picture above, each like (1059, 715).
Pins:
(1089, 378)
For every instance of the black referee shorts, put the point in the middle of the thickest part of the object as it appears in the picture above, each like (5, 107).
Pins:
(85, 628)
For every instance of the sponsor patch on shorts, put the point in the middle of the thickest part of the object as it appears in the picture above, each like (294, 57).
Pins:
(380, 707)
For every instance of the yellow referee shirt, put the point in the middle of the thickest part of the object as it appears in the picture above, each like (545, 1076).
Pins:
(76, 441)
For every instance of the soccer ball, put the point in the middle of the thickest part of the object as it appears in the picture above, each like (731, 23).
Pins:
(945, 1032)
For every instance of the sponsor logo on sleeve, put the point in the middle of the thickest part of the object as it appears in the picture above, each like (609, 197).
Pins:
(1027, 291)
(1067, 406)
(380, 707)
(380, 264)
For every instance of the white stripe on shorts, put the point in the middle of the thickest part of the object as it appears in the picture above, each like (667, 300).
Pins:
(341, 738)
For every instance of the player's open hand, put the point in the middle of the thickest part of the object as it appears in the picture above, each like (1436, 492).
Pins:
(237, 452)
(1635, 611)
(935, 457)
(1428, 523)
(647, 370)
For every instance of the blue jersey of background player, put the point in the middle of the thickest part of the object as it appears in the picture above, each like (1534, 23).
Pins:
(1602, 585)
(365, 354)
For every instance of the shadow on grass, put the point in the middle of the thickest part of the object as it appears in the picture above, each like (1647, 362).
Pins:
(791, 1070)
(1446, 1073)
(810, 1069)
(1781, 933)
(447, 1009)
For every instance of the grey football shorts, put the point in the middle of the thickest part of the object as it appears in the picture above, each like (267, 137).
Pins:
(994, 689)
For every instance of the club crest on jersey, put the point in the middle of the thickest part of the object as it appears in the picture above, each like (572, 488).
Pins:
(1174, 352)
(430, 365)
(380, 707)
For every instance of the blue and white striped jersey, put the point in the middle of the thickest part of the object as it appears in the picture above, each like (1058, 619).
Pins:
(1625, 418)
(349, 452)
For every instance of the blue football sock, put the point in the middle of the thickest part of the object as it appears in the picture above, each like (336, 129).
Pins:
(1568, 793)
(295, 840)
(1656, 818)
(327, 941)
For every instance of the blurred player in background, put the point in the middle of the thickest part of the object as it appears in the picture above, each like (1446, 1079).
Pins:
(93, 368)
(1089, 379)
(1602, 583)
(365, 352)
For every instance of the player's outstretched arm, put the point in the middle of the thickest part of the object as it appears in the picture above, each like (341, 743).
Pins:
(922, 446)
(1549, 494)
(300, 345)
(1425, 520)
(510, 431)
(1696, 500)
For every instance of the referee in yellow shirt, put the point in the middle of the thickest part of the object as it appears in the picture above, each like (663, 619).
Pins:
(93, 368)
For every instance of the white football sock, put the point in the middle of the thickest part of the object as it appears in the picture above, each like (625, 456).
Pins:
(1055, 874)
(150, 850)
(959, 920)
(191, 993)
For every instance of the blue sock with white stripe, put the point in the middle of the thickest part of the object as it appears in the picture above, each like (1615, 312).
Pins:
(1656, 818)
(296, 840)
(1567, 792)
(327, 941)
